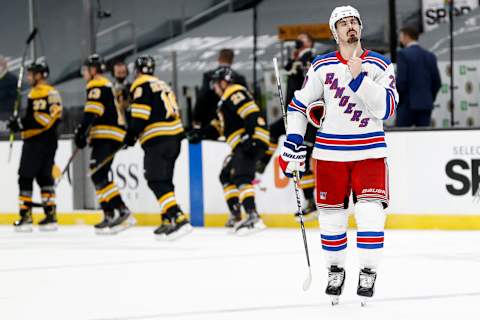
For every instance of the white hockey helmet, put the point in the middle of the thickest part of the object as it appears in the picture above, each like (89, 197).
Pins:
(343, 12)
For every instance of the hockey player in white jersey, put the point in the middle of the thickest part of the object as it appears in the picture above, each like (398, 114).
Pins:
(358, 88)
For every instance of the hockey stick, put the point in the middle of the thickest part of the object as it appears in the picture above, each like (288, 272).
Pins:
(308, 280)
(104, 162)
(18, 100)
(67, 166)
(59, 179)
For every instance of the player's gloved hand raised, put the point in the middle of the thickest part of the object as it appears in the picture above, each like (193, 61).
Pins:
(130, 139)
(15, 124)
(253, 147)
(293, 155)
(80, 137)
(249, 146)
(195, 136)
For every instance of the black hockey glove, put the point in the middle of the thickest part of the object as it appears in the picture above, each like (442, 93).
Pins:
(130, 139)
(251, 147)
(80, 137)
(15, 124)
(195, 136)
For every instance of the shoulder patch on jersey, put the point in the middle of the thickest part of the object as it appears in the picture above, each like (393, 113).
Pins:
(40, 91)
(377, 59)
(141, 80)
(99, 82)
(231, 90)
(325, 59)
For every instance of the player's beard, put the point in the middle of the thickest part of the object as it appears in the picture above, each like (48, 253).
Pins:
(352, 39)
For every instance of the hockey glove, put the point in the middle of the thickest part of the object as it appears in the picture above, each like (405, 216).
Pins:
(251, 147)
(293, 155)
(15, 124)
(130, 139)
(80, 137)
(316, 113)
(195, 136)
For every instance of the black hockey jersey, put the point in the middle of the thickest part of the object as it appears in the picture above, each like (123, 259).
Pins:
(239, 116)
(154, 110)
(101, 103)
(44, 110)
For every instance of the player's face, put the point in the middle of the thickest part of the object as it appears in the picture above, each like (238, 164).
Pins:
(348, 30)
(88, 73)
(34, 78)
(30, 78)
(120, 71)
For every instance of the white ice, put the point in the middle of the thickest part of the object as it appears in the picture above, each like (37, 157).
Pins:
(73, 274)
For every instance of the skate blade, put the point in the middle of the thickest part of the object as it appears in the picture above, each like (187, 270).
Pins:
(130, 222)
(103, 232)
(23, 229)
(232, 230)
(335, 300)
(363, 302)
(183, 231)
(258, 227)
(48, 228)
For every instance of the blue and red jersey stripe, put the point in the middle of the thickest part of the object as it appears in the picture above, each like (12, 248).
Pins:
(334, 242)
(370, 239)
(350, 142)
(391, 104)
(296, 105)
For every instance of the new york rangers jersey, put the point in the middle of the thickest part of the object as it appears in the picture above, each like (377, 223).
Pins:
(355, 108)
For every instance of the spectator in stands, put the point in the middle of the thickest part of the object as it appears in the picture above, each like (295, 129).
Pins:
(418, 81)
(205, 109)
(298, 64)
(8, 89)
(121, 88)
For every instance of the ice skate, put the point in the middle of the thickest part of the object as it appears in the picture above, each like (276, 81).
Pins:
(173, 229)
(49, 223)
(253, 223)
(233, 221)
(103, 227)
(336, 282)
(310, 212)
(366, 284)
(124, 221)
(235, 218)
(25, 222)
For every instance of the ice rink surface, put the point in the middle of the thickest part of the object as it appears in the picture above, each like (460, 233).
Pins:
(73, 274)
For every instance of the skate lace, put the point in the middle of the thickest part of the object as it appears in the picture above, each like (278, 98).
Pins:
(335, 279)
(367, 280)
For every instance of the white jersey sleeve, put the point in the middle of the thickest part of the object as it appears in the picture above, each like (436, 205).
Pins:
(379, 95)
(311, 91)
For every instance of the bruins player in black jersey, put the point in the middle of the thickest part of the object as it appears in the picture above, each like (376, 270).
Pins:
(39, 133)
(102, 128)
(242, 124)
(156, 124)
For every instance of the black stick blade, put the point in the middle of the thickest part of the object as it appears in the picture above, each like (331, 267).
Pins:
(32, 35)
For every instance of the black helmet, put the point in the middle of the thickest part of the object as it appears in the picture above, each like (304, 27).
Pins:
(95, 60)
(39, 67)
(222, 73)
(145, 64)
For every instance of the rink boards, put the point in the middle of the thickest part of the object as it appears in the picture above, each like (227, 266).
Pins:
(434, 179)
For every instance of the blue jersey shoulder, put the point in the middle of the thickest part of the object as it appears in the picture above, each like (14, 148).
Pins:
(379, 56)
(324, 56)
